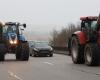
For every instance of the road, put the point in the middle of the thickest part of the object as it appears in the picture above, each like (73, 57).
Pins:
(59, 67)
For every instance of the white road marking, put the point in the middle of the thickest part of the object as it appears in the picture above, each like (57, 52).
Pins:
(49, 63)
(13, 75)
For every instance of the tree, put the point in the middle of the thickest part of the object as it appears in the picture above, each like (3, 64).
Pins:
(60, 38)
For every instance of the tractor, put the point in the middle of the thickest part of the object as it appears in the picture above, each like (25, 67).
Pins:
(12, 41)
(85, 43)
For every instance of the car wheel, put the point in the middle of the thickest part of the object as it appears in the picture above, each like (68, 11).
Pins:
(51, 55)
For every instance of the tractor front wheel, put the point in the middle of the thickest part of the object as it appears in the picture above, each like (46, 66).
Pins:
(2, 57)
(77, 51)
(2, 52)
(23, 51)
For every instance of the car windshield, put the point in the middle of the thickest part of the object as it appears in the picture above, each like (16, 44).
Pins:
(41, 44)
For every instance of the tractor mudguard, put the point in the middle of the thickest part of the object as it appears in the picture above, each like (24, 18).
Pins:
(22, 38)
(81, 37)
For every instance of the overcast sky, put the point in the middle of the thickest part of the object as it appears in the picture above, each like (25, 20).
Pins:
(48, 14)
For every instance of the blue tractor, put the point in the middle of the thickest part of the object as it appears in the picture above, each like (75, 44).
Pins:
(12, 41)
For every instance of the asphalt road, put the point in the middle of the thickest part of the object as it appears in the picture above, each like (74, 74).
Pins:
(59, 67)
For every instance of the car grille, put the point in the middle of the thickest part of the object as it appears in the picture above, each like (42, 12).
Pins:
(44, 51)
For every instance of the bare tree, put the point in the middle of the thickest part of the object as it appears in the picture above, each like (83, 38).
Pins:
(60, 38)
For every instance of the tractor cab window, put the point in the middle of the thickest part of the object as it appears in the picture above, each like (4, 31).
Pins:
(4, 29)
(93, 25)
(88, 25)
(85, 26)
(9, 29)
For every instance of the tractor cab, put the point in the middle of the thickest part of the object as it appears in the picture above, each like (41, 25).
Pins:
(85, 44)
(11, 32)
(12, 41)
(13, 27)
(88, 22)
(89, 27)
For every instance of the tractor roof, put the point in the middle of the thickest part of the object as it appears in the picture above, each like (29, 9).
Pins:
(89, 18)
(11, 23)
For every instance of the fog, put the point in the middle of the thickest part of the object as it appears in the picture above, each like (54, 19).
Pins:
(42, 16)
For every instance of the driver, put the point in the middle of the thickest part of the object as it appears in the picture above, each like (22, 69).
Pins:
(9, 29)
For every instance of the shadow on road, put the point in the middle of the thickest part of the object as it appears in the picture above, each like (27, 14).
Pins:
(41, 57)
(12, 60)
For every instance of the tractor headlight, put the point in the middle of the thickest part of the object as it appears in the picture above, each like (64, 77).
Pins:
(13, 42)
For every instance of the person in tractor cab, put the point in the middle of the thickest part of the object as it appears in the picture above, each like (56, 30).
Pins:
(90, 28)
(9, 29)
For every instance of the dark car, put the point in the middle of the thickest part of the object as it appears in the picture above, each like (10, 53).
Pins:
(40, 49)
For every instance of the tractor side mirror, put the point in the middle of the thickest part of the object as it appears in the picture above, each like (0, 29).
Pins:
(24, 25)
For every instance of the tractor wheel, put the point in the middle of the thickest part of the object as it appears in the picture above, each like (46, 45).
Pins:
(23, 52)
(18, 52)
(2, 52)
(92, 54)
(30, 54)
(77, 51)
(17, 56)
(2, 57)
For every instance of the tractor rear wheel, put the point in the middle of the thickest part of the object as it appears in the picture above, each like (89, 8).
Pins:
(77, 51)
(92, 54)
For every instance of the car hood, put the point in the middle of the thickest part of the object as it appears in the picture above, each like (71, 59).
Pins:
(43, 48)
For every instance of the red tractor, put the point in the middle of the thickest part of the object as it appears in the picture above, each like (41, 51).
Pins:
(85, 44)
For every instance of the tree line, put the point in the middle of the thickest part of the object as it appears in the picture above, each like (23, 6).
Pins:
(60, 38)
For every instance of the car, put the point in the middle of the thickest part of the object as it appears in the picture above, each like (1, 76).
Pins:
(40, 49)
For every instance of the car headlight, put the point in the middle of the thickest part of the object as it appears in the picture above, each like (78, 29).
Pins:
(36, 49)
(51, 49)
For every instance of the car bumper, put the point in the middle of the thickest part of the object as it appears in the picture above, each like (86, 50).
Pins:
(43, 52)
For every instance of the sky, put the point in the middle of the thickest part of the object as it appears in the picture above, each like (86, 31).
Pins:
(42, 16)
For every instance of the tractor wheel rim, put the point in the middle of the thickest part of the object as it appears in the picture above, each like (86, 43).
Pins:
(88, 55)
(74, 50)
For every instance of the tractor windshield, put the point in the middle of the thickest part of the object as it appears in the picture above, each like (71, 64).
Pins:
(93, 25)
(10, 29)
